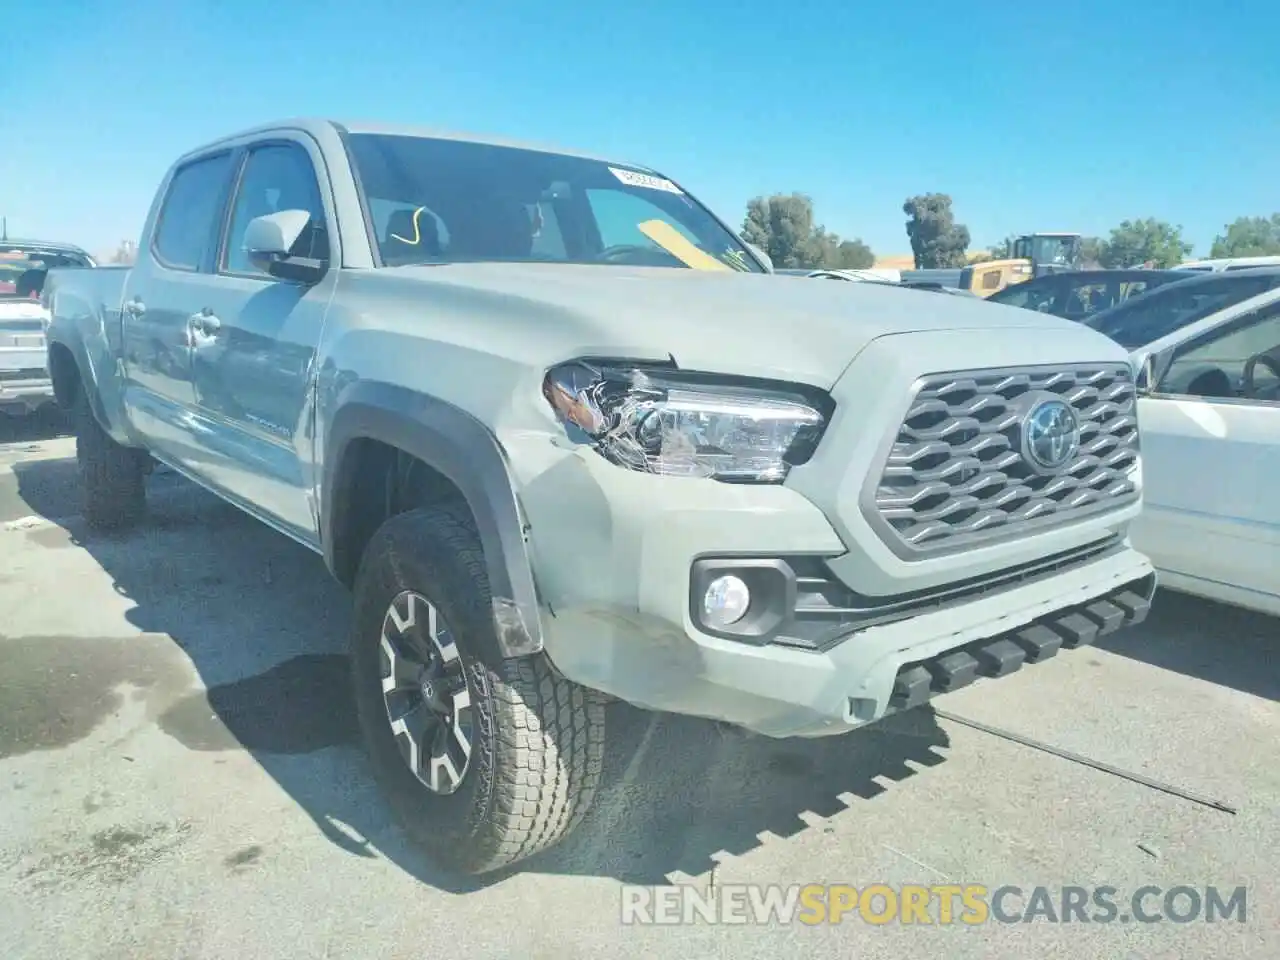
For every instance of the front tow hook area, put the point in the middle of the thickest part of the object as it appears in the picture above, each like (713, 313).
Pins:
(999, 656)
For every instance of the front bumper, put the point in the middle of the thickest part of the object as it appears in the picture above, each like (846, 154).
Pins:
(613, 557)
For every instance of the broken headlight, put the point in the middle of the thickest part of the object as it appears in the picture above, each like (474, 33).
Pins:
(668, 422)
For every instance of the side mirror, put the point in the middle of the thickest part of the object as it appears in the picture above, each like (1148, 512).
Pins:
(1145, 368)
(761, 256)
(268, 240)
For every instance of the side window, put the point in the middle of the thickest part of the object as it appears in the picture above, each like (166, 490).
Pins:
(1085, 299)
(185, 226)
(1029, 295)
(1172, 307)
(619, 214)
(276, 177)
(1215, 364)
(1135, 288)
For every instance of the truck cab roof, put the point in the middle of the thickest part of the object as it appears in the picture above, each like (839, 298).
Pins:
(320, 127)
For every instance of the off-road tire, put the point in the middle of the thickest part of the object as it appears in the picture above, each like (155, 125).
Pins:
(538, 738)
(112, 477)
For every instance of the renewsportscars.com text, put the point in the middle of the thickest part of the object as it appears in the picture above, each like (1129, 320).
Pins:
(941, 904)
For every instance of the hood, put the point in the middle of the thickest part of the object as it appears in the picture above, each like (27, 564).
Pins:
(746, 324)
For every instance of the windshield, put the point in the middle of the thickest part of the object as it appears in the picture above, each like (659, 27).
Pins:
(23, 269)
(1045, 249)
(1052, 250)
(451, 201)
(1145, 319)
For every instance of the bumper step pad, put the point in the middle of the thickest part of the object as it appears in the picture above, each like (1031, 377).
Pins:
(994, 657)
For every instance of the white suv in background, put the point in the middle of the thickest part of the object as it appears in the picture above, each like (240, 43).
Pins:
(1229, 263)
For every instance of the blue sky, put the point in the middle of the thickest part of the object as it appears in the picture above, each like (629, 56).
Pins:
(1048, 117)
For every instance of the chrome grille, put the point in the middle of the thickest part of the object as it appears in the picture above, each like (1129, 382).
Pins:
(956, 473)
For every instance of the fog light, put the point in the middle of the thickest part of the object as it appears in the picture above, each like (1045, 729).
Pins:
(726, 601)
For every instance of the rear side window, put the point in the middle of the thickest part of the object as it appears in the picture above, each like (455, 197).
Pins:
(185, 227)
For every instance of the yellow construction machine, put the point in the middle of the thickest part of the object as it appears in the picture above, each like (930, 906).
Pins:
(1034, 255)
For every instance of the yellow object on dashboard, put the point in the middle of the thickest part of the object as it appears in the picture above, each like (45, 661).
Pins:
(671, 240)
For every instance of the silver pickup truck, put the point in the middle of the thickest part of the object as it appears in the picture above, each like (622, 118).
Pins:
(567, 440)
(24, 379)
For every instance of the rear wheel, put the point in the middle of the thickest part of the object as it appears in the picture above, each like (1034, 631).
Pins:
(112, 477)
(484, 765)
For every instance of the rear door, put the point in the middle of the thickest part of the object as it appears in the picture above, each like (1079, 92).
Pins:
(255, 339)
(1211, 451)
(158, 393)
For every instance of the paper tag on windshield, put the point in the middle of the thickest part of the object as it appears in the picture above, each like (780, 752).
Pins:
(633, 179)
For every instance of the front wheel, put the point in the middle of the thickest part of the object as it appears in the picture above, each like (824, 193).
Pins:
(483, 765)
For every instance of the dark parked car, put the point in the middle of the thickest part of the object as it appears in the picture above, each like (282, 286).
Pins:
(1159, 313)
(1082, 293)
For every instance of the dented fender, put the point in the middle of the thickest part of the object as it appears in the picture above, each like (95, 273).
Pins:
(460, 447)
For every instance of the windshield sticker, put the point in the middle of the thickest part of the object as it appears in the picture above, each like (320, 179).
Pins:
(676, 244)
(633, 179)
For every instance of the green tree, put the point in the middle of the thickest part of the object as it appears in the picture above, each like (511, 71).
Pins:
(1249, 237)
(783, 227)
(1136, 242)
(847, 254)
(1091, 251)
(1004, 249)
(936, 239)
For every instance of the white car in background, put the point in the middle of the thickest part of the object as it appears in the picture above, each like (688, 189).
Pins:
(1228, 263)
(1209, 409)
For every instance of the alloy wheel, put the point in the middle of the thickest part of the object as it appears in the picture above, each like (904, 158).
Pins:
(425, 689)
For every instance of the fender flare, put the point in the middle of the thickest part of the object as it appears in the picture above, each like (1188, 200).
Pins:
(87, 381)
(465, 451)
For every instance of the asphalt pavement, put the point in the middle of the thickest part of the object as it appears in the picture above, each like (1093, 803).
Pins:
(180, 777)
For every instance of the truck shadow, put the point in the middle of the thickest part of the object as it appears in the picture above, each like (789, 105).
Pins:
(44, 424)
(1210, 641)
(265, 627)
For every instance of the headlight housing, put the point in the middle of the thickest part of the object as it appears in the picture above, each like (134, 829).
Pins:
(667, 421)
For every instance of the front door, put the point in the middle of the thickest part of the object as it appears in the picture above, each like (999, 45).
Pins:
(1211, 452)
(254, 347)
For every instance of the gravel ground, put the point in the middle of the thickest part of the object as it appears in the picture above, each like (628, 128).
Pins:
(180, 777)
